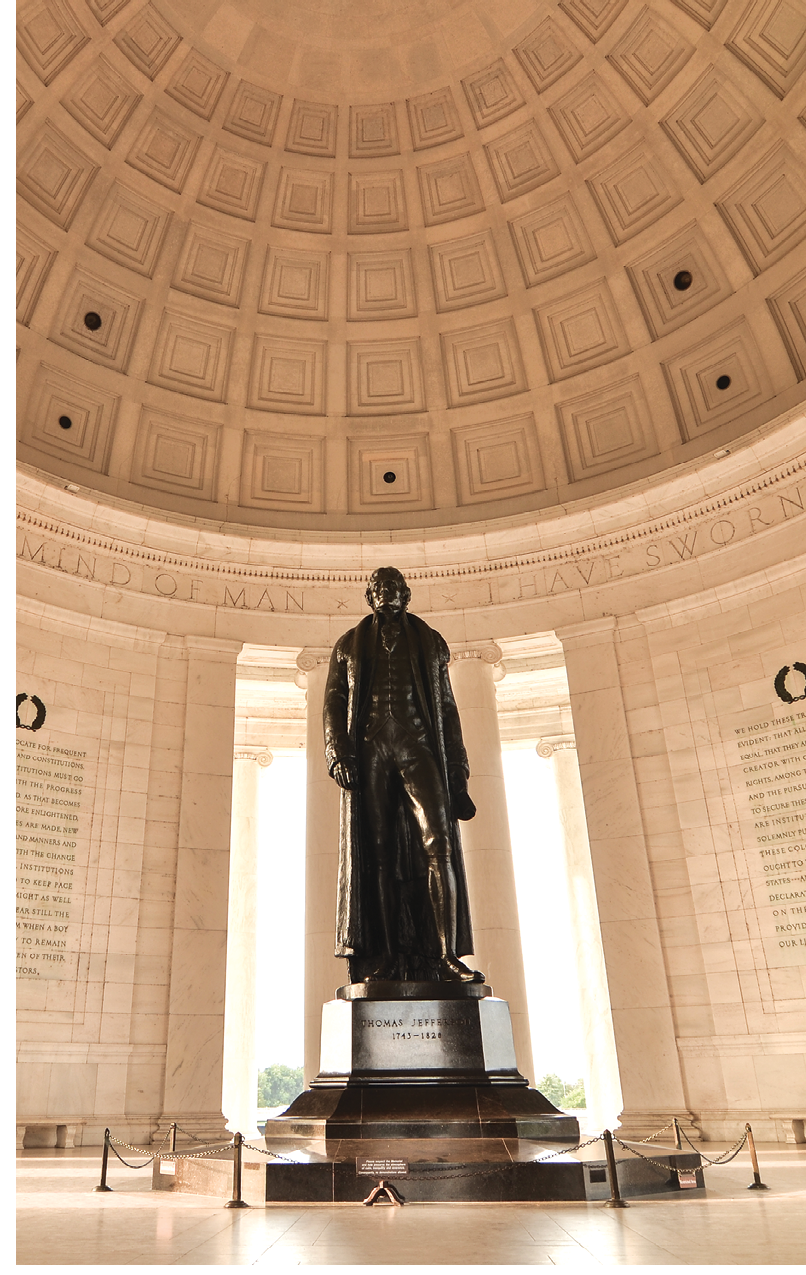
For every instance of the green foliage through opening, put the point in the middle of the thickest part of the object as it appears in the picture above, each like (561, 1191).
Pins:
(278, 1085)
(564, 1094)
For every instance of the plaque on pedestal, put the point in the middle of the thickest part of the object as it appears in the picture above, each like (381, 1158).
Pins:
(400, 1040)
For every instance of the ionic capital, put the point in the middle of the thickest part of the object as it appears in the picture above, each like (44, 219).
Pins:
(309, 659)
(488, 651)
(551, 744)
(261, 755)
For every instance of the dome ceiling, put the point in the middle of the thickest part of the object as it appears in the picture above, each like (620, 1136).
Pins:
(355, 265)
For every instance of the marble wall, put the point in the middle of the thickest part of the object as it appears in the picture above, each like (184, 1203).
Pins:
(134, 1025)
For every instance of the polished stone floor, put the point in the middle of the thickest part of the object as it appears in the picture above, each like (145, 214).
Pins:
(62, 1223)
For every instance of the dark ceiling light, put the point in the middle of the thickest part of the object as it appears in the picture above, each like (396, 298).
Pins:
(683, 280)
(389, 477)
(722, 382)
(92, 321)
(65, 422)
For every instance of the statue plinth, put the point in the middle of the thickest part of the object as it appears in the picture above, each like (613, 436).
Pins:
(401, 1068)
(405, 1040)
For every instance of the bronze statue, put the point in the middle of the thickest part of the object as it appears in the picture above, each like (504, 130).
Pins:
(393, 744)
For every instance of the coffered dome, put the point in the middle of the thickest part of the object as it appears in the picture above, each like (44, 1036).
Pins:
(362, 264)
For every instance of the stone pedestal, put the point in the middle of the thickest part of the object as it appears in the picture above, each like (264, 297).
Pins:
(405, 1040)
(425, 1075)
(397, 1068)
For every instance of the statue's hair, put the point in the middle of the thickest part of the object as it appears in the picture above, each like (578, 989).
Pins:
(388, 571)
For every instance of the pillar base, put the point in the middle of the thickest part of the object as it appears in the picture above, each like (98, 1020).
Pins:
(206, 1126)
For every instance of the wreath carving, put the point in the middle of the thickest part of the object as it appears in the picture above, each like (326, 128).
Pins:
(780, 682)
(41, 712)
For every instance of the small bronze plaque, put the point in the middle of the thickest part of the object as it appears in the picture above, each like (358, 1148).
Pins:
(377, 1166)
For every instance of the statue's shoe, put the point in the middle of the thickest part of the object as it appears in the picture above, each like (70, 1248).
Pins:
(452, 970)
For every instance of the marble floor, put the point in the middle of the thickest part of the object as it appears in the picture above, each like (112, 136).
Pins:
(62, 1223)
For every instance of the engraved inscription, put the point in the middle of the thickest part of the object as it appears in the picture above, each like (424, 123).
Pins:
(53, 801)
(767, 763)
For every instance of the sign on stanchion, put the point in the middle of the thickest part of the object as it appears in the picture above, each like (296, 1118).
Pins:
(382, 1168)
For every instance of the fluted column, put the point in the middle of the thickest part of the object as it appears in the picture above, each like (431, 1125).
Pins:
(240, 1014)
(649, 1067)
(323, 971)
(486, 841)
(195, 1049)
(602, 1089)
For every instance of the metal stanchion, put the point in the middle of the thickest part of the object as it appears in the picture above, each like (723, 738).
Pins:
(104, 1163)
(237, 1201)
(678, 1141)
(615, 1201)
(173, 1135)
(756, 1184)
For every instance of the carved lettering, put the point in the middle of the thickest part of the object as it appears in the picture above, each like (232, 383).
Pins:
(724, 536)
(684, 546)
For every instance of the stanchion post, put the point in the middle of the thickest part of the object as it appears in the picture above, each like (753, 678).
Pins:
(678, 1141)
(173, 1136)
(104, 1164)
(756, 1184)
(615, 1201)
(237, 1202)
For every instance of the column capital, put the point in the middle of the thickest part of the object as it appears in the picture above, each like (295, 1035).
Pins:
(262, 756)
(550, 744)
(308, 659)
(486, 650)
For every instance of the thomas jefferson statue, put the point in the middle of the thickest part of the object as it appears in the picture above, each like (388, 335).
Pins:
(393, 744)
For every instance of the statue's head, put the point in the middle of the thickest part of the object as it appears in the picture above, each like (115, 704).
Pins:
(387, 592)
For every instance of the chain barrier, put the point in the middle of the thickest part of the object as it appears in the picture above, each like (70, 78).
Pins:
(725, 1157)
(423, 1172)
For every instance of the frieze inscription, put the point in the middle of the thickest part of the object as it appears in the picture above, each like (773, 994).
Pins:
(493, 581)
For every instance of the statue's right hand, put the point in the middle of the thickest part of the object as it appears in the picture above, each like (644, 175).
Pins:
(345, 774)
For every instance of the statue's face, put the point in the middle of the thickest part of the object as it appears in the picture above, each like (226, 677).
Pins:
(387, 593)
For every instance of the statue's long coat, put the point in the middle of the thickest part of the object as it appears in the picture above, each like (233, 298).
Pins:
(348, 683)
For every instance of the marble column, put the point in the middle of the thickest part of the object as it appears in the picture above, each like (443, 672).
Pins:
(240, 1015)
(324, 972)
(648, 1063)
(486, 842)
(602, 1089)
(195, 1049)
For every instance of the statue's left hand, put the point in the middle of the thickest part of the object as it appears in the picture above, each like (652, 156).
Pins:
(345, 774)
(463, 806)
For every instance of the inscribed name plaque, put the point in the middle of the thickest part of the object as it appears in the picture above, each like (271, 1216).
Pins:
(766, 754)
(387, 1041)
(55, 794)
